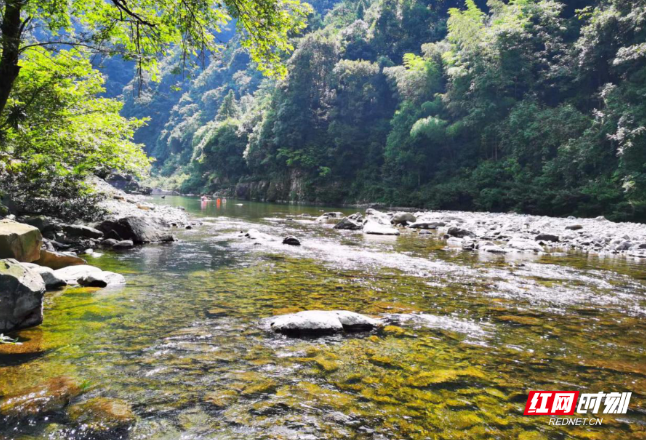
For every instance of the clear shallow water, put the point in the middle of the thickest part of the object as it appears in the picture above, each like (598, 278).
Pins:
(181, 342)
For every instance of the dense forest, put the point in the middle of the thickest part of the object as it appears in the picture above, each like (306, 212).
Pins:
(533, 106)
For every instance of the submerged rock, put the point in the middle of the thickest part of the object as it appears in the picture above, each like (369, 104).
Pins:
(102, 415)
(58, 260)
(52, 281)
(52, 395)
(21, 296)
(19, 241)
(374, 228)
(318, 322)
(89, 276)
(292, 241)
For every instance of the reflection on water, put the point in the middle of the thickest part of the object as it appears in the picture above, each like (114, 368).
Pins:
(181, 342)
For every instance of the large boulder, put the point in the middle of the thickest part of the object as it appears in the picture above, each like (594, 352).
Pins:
(137, 229)
(21, 296)
(547, 237)
(58, 260)
(19, 241)
(403, 218)
(348, 224)
(374, 228)
(52, 281)
(89, 276)
(320, 322)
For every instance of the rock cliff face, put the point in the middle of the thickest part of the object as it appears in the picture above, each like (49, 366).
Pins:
(291, 187)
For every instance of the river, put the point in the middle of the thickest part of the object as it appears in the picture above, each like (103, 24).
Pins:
(181, 342)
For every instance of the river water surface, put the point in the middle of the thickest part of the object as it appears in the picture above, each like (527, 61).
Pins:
(183, 345)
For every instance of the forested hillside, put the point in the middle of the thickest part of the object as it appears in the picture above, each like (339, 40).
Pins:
(534, 106)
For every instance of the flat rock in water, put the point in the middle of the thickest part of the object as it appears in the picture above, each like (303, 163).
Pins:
(374, 228)
(19, 241)
(58, 260)
(89, 276)
(320, 322)
(21, 296)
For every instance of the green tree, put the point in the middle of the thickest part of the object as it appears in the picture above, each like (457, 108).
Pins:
(142, 29)
(65, 133)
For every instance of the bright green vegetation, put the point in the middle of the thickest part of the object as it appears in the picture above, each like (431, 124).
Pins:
(55, 126)
(526, 105)
(181, 342)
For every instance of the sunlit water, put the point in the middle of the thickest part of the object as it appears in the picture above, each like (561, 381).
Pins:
(183, 345)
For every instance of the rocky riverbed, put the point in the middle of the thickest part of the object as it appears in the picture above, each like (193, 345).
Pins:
(504, 233)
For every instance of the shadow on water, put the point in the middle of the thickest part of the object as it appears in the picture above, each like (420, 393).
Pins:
(468, 336)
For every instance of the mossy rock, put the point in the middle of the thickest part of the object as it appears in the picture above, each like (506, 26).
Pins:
(50, 396)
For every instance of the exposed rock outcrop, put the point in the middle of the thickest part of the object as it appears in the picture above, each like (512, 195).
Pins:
(19, 241)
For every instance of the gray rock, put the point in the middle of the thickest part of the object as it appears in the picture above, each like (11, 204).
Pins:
(292, 241)
(123, 244)
(80, 231)
(547, 237)
(89, 276)
(574, 227)
(403, 218)
(19, 241)
(348, 224)
(109, 242)
(318, 322)
(454, 231)
(52, 281)
(137, 229)
(21, 296)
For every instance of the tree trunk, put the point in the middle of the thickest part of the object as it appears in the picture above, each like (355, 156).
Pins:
(11, 33)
